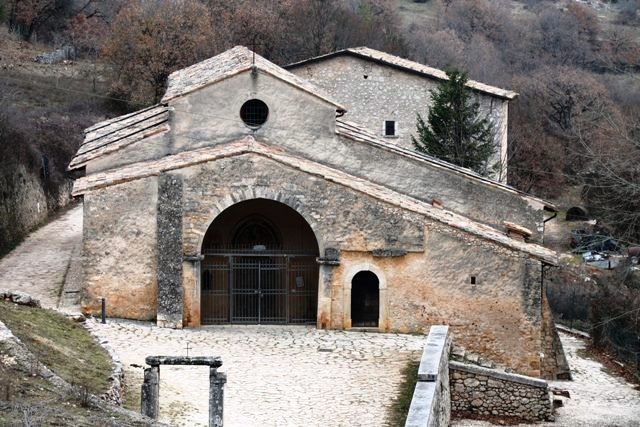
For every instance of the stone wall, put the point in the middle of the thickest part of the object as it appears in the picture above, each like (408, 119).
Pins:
(373, 93)
(303, 125)
(23, 204)
(431, 405)
(120, 249)
(477, 391)
(554, 361)
(435, 287)
(429, 273)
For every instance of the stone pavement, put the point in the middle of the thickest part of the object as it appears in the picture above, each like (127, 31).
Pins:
(285, 375)
(277, 375)
(39, 264)
(598, 399)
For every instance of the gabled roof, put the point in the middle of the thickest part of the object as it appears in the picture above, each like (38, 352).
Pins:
(230, 63)
(406, 65)
(112, 135)
(355, 132)
(249, 145)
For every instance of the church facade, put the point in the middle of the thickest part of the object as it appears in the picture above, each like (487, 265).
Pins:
(247, 196)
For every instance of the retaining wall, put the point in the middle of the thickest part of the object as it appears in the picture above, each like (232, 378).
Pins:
(482, 391)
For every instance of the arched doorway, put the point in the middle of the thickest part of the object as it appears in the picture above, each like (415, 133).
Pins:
(365, 299)
(259, 266)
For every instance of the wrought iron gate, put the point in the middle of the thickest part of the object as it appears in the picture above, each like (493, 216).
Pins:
(258, 288)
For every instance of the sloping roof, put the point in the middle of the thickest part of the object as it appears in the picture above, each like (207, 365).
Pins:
(356, 132)
(230, 63)
(407, 65)
(112, 135)
(250, 145)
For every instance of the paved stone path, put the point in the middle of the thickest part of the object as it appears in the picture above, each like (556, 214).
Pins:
(39, 264)
(598, 399)
(277, 375)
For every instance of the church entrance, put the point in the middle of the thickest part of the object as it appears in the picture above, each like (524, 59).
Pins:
(259, 266)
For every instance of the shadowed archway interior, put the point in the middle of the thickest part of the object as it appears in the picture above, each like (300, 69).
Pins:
(259, 266)
(365, 299)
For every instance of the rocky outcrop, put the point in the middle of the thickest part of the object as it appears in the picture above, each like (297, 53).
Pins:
(18, 297)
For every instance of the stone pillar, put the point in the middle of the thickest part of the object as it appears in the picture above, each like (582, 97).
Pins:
(150, 399)
(216, 397)
(330, 259)
(169, 236)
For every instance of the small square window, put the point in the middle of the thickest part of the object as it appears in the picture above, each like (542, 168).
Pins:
(389, 128)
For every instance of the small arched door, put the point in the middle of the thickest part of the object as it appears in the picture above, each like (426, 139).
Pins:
(365, 299)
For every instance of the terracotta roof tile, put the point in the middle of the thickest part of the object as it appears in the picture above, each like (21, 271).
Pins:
(111, 135)
(230, 63)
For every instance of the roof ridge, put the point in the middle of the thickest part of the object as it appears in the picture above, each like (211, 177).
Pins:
(230, 63)
(409, 65)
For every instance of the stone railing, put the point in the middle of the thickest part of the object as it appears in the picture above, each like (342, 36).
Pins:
(487, 392)
(430, 405)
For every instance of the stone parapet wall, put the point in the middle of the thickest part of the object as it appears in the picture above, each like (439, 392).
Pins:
(430, 405)
(486, 392)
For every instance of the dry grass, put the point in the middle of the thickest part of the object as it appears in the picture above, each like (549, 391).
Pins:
(60, 344)
(400, 408)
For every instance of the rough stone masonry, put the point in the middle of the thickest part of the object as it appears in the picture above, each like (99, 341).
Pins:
(482, 391)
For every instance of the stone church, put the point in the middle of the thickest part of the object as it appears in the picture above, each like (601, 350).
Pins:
(248, 196)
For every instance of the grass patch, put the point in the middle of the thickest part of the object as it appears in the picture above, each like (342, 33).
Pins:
(27, 400)
(400, 407)
(60, 344)
(132, 398)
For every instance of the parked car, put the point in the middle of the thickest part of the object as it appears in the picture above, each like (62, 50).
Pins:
(584, 241)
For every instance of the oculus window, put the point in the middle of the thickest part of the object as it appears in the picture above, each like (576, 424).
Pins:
(254, 113)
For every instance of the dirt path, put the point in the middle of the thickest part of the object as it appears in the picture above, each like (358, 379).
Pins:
(38, 266)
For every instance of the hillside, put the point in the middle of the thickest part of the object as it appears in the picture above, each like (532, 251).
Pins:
(45, 108)
(51, 370)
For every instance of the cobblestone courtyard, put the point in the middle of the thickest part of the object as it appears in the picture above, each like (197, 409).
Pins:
(277, 375)
(285, 375)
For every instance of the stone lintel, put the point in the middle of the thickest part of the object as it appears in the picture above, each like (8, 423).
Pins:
(433, 352)
(193, 258)
(388, 252)
(325, 261)
(212, 361)
(492, 373)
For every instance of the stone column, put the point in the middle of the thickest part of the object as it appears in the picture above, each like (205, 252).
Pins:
(150, 399)
(216, 397)
(169, 237)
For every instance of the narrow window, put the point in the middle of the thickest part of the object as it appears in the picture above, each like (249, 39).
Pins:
(473, 280)
(389, 128)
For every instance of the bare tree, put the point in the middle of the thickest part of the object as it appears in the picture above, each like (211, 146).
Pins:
(152, 38)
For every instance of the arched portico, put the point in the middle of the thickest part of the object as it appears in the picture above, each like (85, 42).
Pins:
(259, 266)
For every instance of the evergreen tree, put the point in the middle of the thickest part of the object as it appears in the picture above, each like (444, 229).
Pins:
(454, 131)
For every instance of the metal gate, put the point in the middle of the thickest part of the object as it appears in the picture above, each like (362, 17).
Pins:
(259, 288)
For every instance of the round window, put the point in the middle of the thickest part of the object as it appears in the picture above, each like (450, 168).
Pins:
(254, 113)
